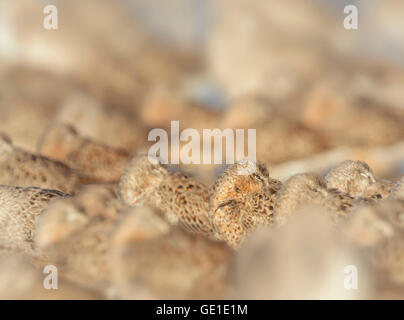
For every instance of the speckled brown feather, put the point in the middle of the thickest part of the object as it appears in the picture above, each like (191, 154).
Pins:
(357, 179)
(24, 169)
(182, 200)
(19, 211)
(241, 202)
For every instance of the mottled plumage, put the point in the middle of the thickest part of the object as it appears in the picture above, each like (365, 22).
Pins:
(24, 169)
(242, 198)
(182, 200)
(305, 189)
(357, 179)
(19, 211)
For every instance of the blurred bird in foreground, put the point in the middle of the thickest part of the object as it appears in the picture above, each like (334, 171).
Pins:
(305, 259)
(153, 259)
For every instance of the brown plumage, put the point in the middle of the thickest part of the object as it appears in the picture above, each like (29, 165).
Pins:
(19, 211)
(182, 200)
(298, 191)
(305, 189)
(25, 169)
(357, 179)
(62, 142)
(242, 199)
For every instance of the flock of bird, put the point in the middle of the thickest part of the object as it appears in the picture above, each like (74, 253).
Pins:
(159, 232)
(77, 190)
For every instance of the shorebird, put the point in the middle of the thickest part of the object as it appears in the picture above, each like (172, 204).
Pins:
(76, 234)
(62, 142)
(242, 199)
(153, 259)
(19, 211)
(305, 259)
(24, 169)
(272, 128)
(357, 179)
(306, 189)
(111, 126)
(398, 190)
(182, 200)
(379, 230)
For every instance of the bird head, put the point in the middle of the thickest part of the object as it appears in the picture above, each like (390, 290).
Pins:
(142, 176)
(353, 177)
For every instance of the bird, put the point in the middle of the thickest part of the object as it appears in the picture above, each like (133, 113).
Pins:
(63, 143)
(72, 214)
(92, 119)
(379, 230)
(242, 198)
(24, 169)
(398, 190)
(357, 179)
(272, 128)
(153, 259)
(348, 116)
(75, 235)
(305, 189)
(305, 259)
(20, 209)
(183, 200)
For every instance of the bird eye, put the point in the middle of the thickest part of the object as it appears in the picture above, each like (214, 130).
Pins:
(256, 176)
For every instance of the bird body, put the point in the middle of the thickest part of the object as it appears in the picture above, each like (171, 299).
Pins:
(19, 211)
(398, 190)
(153, 259)
(62, 142)
(76, 234)
(182, 200)
(379, 230)
(242, 198)
(307, 189)
(25, 169)
(357, 179)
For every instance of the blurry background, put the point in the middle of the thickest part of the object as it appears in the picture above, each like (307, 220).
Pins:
(288, 69)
